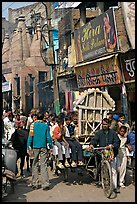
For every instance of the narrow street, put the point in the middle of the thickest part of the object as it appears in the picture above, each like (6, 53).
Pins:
(68, 85)
(82, 190)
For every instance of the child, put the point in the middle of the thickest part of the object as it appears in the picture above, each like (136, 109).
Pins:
(57, 133)
(131, 148)
(75, 146)
(122, 122)
(122, 157)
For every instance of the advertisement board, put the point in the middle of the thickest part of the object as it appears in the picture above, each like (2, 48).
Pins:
(128, 9)
(101, 73)
(128, 66)
(97, 37)
(66, 4)
(6, 86)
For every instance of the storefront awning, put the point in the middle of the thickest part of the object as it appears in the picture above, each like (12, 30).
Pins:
(96, 60)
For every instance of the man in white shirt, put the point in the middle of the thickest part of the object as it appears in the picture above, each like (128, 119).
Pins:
(9, 125)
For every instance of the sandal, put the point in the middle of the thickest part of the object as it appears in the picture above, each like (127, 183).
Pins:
(73, 164)
(80, 163)
(60, 165)
(67, 164)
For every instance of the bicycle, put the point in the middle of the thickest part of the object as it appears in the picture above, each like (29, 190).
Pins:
(98, 166)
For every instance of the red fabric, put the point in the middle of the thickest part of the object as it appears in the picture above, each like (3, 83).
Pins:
(56, 133)
(71, 101)
(67, 101)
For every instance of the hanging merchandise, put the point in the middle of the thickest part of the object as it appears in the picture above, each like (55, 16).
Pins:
(67, 101)
(71, 101)
(124, 89)
(124, 102)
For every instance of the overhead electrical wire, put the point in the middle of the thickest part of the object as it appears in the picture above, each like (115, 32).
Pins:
(8, 6)
(29, 19)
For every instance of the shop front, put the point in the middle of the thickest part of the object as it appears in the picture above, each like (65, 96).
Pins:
(103, 73)
(68, 91)
(128, 67)
(97, 56)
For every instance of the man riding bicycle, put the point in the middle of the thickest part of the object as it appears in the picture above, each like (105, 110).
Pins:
(108, 138)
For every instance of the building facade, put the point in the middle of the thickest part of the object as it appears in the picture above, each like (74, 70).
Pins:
(84, 56)
(97, 63)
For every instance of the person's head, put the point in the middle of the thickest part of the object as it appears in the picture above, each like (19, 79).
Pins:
(34, 117)
(37, 110)
(122, 130)
(67, 120)
(75, 120)
(109, 115)
(40, 116)
(52, 115)
(106, 20)
(19, 125)
(60, 121)
(23, 120)
(46, 115)
(105, 124)
(33, 111)
(10, 115)
(53, 120)
(122, 117)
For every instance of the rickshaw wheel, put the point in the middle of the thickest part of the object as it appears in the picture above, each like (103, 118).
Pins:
(106, 177)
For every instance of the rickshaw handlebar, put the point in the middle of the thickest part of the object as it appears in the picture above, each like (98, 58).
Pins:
(99, 148)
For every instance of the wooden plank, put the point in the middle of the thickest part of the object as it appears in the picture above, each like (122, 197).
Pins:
(91, 108)
(86, 116)
(79, 120)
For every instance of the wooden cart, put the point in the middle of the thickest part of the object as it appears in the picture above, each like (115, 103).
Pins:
(92, 106)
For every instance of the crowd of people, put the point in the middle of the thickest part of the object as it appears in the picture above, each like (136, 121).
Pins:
(40, 131)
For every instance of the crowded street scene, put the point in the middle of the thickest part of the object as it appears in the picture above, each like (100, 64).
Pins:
(68, 102)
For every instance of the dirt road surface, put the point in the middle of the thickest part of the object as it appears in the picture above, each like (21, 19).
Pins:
(82, 190)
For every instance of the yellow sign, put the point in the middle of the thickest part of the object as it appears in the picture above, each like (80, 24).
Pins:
(101, 73)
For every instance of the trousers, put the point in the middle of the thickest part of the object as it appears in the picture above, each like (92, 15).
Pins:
(40, 155)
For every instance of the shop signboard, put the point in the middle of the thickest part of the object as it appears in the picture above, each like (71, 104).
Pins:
(101, 73)
(128, 66)
(97, 37)
(128, 9)
(6, 86)
(66, 4)
(129, 71)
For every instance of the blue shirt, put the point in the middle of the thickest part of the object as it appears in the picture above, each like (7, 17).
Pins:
(131, 141)
(71, 129)
(41, 136)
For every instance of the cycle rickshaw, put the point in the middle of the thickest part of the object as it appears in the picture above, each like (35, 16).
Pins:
(92, 106)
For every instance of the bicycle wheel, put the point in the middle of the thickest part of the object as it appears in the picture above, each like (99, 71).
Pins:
(106, 177)
(93, 168)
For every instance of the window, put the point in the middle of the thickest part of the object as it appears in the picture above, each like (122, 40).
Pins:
(108, 5)
(42, 76)
(18, 86)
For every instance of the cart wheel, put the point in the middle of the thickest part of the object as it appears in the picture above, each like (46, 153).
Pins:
(106, 177)
(94, 174)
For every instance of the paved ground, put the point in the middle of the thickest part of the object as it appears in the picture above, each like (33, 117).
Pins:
(68, 192)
